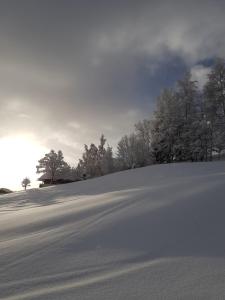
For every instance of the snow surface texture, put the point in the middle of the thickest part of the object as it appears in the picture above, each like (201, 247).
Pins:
(151, 233)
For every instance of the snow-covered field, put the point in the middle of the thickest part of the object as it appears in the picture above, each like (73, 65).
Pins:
(151, 233)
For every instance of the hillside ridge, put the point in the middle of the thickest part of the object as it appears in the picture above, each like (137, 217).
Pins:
(150, 233)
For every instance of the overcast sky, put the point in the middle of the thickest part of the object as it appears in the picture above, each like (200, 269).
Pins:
(71, 70)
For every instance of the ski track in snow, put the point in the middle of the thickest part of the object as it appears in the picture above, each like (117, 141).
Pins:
(150, 233)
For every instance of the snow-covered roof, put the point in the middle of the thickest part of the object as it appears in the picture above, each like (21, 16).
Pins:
(64, 176)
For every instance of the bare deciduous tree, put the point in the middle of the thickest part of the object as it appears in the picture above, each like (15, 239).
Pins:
(25, 183)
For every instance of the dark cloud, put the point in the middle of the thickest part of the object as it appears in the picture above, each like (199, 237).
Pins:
(70, 70)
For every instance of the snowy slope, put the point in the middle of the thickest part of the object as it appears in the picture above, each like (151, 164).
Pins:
(151, 233)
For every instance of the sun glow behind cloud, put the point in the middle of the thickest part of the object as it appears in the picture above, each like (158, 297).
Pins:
(18, 159)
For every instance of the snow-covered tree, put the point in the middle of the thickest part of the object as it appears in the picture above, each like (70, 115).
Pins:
(173, 134)
(25, 183)
(187, 100)
(188, 125)
(90, 161)
(215, 91)
(125, 153)
(214, 96)
(143, 132)
(96, 161)
(52, 164)
(132, 152)
(101, 156)
(166, 125)
(107, 162)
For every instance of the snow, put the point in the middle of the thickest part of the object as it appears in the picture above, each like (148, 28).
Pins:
(150, 233)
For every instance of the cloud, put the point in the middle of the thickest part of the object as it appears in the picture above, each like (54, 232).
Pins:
(71, 70)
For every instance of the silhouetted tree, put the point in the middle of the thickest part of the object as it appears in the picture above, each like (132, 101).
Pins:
(25, 183)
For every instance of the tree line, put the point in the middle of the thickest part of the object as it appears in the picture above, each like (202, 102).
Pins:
(188, 124)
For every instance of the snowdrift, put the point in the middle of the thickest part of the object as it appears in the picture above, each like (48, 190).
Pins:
(151, 233)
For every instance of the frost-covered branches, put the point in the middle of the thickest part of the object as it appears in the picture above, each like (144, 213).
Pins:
(52, 164)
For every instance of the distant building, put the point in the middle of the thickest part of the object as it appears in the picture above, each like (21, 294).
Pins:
(65, 177)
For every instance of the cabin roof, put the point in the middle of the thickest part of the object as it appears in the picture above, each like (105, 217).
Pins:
(62, 176)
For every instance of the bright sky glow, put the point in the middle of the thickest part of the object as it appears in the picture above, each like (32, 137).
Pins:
(97, 69)
(18, 159)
